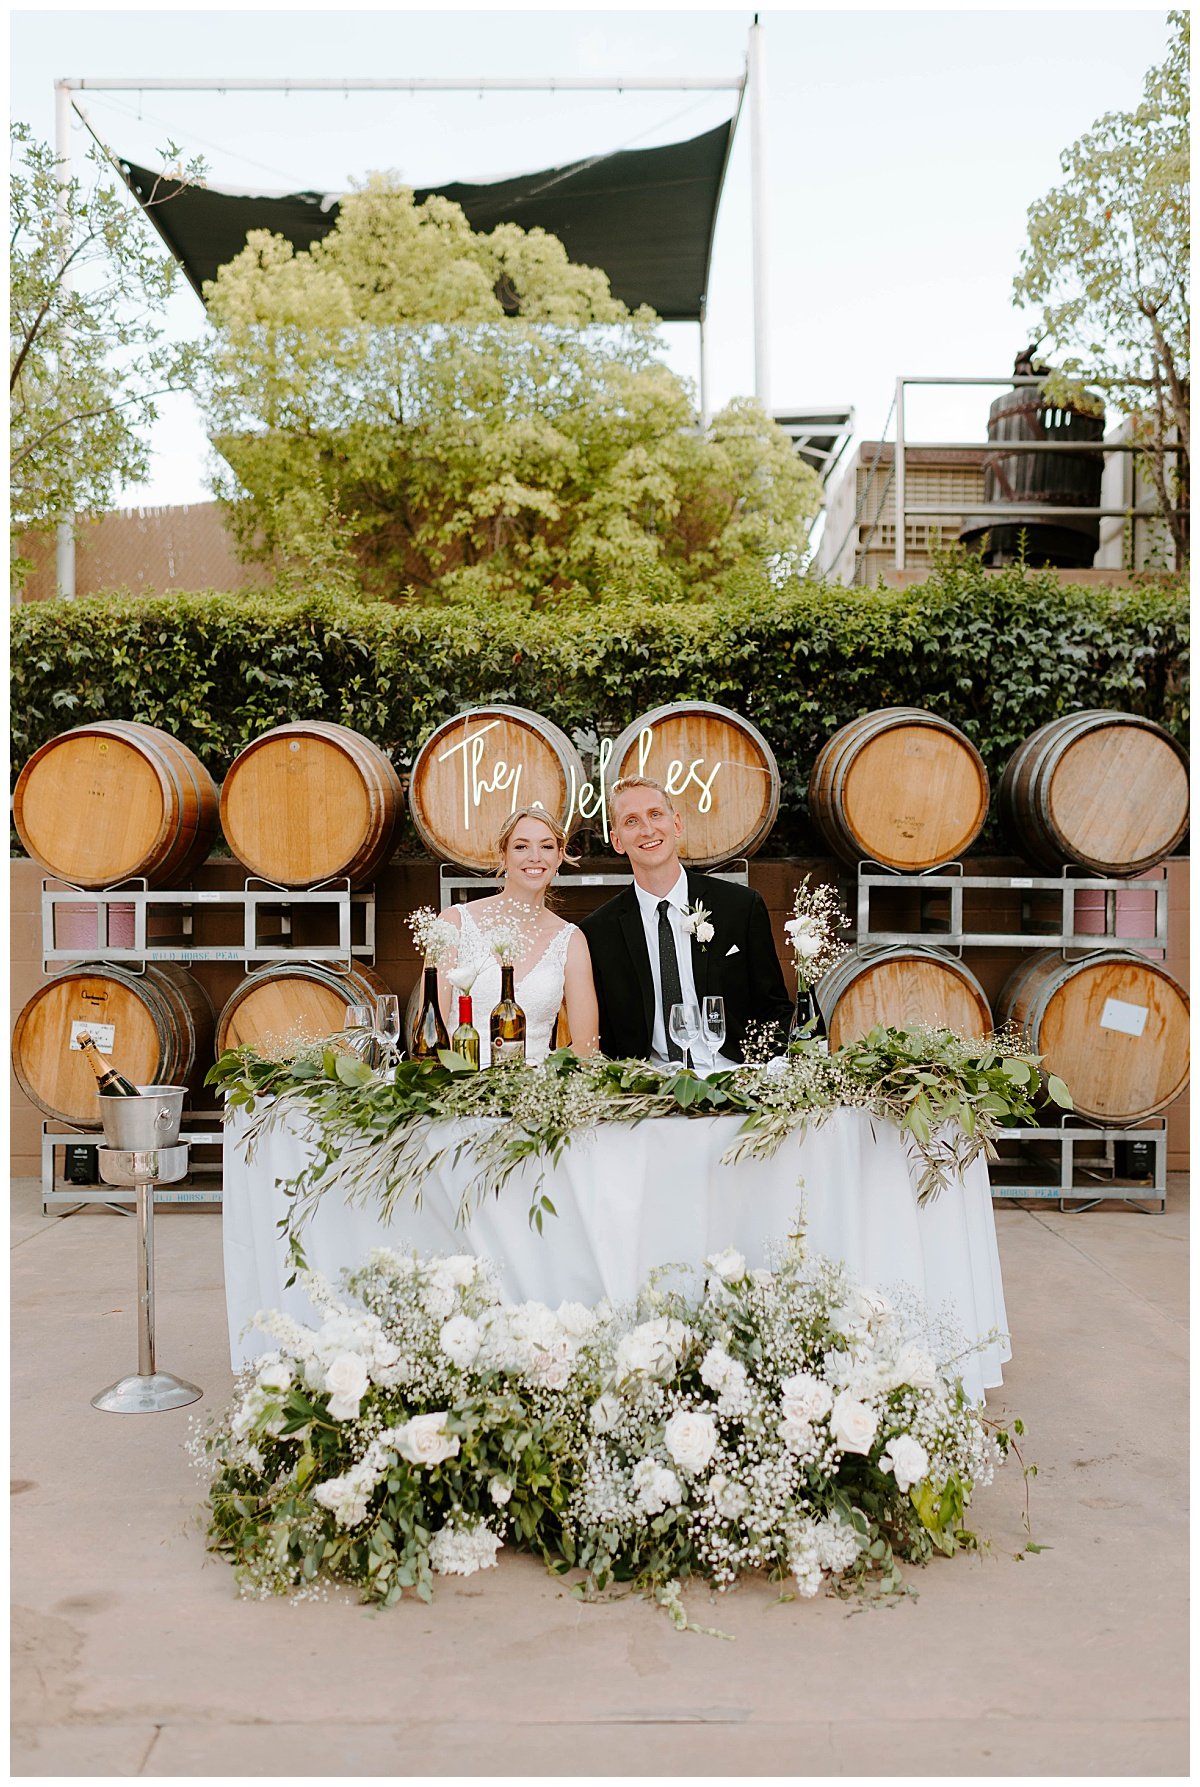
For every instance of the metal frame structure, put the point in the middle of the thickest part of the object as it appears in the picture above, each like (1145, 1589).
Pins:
(456, 884)
(949, 883)
(1019, 509)
(1103, 1184)
(253, 897)
(752, 81)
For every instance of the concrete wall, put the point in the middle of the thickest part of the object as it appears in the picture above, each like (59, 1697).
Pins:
(407, 884)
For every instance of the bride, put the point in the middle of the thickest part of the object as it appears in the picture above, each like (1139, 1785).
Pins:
(555, 965)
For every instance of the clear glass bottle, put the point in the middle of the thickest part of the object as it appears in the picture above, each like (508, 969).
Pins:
(465, 1041)
(429, 1032)
(110, 1082)
(808, 1025)
(507, 1024)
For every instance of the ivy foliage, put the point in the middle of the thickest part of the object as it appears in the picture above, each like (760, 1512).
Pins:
(996, 653)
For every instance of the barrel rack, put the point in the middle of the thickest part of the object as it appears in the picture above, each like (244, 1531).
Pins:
(262, 903)
(1084, 1172)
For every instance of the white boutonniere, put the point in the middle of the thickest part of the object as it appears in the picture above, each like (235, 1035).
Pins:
(696, 921)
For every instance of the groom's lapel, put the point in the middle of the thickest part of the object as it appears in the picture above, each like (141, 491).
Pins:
(634, 932)
(700, 951)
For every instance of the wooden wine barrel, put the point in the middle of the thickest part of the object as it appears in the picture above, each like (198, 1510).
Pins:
(902, 986)
(1106, 790)
(286, 1003)
(162, 1024)
(479, 767)
(718, 769)
(900, 787)
(1113, 1025)
(106, 802)
(311, 802)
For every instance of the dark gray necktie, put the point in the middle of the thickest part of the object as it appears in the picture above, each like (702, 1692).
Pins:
(668, 974)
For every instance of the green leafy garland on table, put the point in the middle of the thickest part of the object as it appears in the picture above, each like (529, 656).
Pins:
(781, 1420)
(370, 1138)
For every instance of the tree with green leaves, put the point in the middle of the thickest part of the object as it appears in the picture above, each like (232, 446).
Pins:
(88, 353)
(457, 412)
(1108, 260)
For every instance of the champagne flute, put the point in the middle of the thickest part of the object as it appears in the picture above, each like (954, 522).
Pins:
(683, 1026)
(387, 1026)
(713, 1020)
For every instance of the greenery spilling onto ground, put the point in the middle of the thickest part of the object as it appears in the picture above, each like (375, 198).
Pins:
(997, 654)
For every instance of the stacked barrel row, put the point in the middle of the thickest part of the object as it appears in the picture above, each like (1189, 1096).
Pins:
(1100, 790)
(115, 802)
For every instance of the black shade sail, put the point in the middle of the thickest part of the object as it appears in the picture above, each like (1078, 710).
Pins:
(644, 216)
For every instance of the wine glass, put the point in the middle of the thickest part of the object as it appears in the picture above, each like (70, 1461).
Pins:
(387, 1026)
(713, 1020)
(359, 1032)
(683, 1026)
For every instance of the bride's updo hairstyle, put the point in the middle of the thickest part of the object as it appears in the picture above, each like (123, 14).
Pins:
(536, 811)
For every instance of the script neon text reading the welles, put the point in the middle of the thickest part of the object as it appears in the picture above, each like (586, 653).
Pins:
(588, 799)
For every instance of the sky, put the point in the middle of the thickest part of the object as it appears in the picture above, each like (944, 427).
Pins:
(903, 149)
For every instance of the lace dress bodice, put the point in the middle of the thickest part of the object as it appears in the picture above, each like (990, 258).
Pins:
(539, 994)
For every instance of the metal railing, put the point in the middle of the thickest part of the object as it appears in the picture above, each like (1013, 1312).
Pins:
(1018, 509)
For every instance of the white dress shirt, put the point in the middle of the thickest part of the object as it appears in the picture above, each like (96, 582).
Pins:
(701, 1052)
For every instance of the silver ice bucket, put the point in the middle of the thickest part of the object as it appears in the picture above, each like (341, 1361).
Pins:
(151, 1120)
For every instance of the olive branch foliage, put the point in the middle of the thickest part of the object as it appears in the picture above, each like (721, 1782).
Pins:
(375, 1139)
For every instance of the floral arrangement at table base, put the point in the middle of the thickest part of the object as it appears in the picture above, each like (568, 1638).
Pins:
(775, 1420)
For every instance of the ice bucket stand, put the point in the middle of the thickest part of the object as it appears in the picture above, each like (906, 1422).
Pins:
(148, 1390)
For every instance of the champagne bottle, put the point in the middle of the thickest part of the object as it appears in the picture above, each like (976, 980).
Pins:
(110, 1083)
(465, 1041)
(507, 1026)
(429, 1032)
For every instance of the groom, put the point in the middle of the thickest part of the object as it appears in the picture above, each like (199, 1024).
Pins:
(646, 956)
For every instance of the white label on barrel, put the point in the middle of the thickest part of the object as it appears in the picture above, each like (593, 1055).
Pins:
(103, 1035)
(1118, 1014)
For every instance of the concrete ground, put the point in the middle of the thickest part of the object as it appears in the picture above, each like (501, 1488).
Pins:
(134, 1657)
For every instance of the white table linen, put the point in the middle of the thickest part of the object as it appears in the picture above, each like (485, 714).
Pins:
(630, 1197)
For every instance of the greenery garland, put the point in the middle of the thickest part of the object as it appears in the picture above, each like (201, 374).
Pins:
(371, 1142)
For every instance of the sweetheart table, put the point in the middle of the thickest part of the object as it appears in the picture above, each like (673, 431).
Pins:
(630, 1197)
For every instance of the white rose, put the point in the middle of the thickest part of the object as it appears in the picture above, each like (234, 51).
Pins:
(729, 1265)
(913, 1366)
(704, 932)
(691, 1439)
(873, 1306)
(728, 1498)
(424, 1440)
(346, 1376)
(797, 1435)
(460, 1339)
(805, 1397)
(500, 1490)
(555, 1375)
(803, 926)
(606, 1412)
(274, 1376)
(852, 1424)
(657, 1488)
(763, 1278)
(907, 1459)
(576, 1318)
(807, 948)
(458, 1268)
(652, 1349)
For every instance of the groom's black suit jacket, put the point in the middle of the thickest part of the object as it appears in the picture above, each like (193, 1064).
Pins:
(739, 963)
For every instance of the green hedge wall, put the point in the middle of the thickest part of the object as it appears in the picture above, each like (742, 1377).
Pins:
(996, 654)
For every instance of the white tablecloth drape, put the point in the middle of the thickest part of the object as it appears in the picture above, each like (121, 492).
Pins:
(630, 1197)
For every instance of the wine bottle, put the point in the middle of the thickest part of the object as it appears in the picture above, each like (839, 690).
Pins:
(465, 1041)
(110, 1082)
(429, 1032)
(507, 1027)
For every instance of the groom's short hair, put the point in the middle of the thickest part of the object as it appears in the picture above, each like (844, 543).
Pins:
(624, 782)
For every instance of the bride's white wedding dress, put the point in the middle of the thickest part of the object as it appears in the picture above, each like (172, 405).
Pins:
(539, 994)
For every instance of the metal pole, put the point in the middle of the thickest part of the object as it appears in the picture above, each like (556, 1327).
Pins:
(758, 217)
(64, 554)
(705, 408)
(899, 463)
(422, 84)
(145, 1271)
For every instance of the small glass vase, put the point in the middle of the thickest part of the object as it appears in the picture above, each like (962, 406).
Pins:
(808, 1026)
